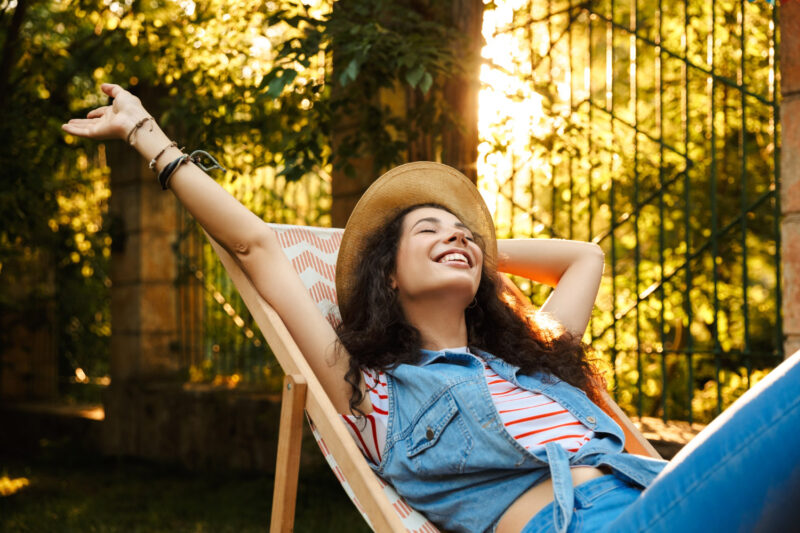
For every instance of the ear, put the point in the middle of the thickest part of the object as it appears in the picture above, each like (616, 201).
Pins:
(393, 282)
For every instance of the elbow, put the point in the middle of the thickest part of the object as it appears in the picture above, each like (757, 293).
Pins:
(592, 260)
(597, 252)
(598, 256)
(262, 237)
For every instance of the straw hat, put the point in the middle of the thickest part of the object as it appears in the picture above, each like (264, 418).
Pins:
(410, 184)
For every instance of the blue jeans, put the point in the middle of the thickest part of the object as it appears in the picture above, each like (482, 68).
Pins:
(741, 473)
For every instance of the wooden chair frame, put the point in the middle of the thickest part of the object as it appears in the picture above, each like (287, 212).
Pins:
(303, 392)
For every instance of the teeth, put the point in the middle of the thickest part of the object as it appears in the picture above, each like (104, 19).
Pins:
(454, 257)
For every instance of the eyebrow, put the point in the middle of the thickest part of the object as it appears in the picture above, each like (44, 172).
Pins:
(439, 222)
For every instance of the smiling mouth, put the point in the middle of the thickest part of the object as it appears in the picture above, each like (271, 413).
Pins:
(454, 258)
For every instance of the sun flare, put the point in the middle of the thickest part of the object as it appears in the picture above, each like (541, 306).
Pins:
(510, 111)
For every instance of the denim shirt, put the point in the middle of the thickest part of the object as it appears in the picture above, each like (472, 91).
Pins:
(448, 453)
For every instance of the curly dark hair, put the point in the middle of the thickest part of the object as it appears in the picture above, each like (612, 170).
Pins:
(377, 335)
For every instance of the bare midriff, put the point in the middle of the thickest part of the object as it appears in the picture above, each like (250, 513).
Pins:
(537, 497)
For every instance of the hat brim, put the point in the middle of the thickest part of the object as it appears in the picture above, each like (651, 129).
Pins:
(422, 182)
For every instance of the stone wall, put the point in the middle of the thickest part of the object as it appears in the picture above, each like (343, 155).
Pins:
(198, 427)
(28, 329)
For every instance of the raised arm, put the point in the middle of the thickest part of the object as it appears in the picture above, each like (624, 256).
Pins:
(248, 239)
(574, 268)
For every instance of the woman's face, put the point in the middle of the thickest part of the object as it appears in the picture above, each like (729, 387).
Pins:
(436, 257)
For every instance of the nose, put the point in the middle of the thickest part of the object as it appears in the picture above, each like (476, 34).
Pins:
(457, 235)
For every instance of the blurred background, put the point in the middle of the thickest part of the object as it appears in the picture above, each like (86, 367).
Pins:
(135, 389)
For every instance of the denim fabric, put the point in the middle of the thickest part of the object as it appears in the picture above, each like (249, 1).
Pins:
(740, 474)
(448, 453)
(597, 503)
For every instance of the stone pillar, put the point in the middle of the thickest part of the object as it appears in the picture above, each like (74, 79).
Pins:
(28, 331)
(144, 339)
(790, 172)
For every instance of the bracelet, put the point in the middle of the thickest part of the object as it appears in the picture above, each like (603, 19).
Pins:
(195, 157)
(139, 125)
(152, 165)
(167, 172)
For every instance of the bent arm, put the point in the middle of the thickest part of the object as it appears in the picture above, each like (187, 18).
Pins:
(574, 268)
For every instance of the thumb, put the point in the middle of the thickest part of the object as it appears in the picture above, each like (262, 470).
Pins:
(111, 89)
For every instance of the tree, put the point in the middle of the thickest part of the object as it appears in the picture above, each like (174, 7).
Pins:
(262, 86)
(403, 86)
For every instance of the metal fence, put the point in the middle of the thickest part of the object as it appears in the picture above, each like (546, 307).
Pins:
(219, 341)
(651, 129)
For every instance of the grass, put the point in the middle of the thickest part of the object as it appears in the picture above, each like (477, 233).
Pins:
(74, 491)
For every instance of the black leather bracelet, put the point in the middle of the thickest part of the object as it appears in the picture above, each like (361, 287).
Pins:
(167, 172)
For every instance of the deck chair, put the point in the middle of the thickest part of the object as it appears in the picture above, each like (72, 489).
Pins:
(313, 251)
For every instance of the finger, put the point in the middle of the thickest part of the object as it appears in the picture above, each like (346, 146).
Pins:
(82, 121)
(111, 89)
(88, 132)
(99, 112)
(74, 129)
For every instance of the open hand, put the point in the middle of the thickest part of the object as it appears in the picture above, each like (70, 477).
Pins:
(110, 121)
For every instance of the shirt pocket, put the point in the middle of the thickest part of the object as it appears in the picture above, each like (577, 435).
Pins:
(439, 441)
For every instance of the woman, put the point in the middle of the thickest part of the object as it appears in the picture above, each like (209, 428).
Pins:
(433, 365)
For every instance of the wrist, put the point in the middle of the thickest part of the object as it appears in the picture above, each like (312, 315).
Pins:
(146, 123)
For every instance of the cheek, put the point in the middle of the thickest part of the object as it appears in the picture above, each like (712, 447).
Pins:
(408, 263)
(404, 266)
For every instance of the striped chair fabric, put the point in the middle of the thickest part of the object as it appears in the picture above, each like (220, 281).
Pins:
(313, 251)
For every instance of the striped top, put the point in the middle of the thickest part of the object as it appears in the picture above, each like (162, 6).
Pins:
(531, 418)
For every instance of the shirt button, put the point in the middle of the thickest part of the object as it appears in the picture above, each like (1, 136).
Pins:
(590, 419)
(429, 434)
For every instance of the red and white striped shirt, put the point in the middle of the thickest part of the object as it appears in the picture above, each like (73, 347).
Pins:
(532, 419)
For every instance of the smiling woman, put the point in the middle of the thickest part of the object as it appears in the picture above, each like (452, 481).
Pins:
(479, 417)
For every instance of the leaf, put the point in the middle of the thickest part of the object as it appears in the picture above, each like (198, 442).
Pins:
(350, 73)
(277, 84)
(427, 81)
(414, 76)
(275, 87)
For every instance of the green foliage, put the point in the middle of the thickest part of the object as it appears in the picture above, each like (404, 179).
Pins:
(375, 47)
(52, 195)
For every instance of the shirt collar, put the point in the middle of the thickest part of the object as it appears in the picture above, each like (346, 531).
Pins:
(429, 356)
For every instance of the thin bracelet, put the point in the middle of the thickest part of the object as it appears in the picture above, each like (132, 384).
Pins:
(152, 165)
(167, 172)
(139, 125)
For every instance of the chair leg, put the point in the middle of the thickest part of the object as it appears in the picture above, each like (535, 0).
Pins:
(288, 465)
